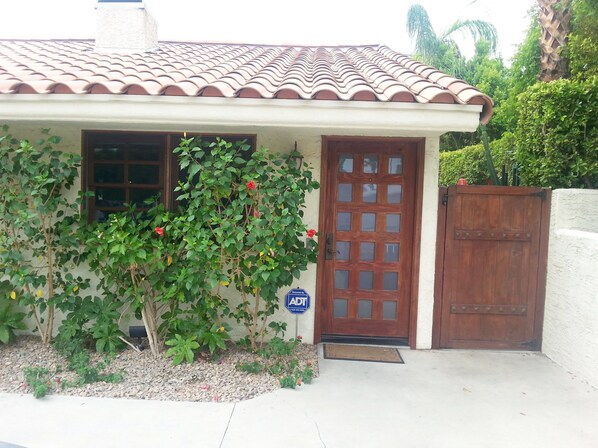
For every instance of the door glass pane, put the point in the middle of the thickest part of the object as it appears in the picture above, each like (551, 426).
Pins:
(364, 309)
(370, 163)
(108, 174)
(343, 221)
(343, 250)
(145, 152)
(138, 196)
(366, 251)
(110, 197)
(109, 152)
(395, 165)
(393, 222)
(391, 281)
(341, 307)
(144, 174)
(394, 194)
(345, 192)
(341, 279)
(370, 192)
(345, 164)
(368, 222)
(389, 310)
(366, 280)
(391, 252)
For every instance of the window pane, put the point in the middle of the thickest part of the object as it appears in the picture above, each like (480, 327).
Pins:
(102, 215)
(364, 309)
(341, 307)
(395, 165)
(144, 174)
(343, 221)
(345, 164)
(343, 250)
(370, 163)
(391, 281)
(108, 174)
(366, 280)
(145, 152)
(366, 251)
(368, 222)
(109, 152)
(389, 310)
(345, 192)
(370, 192)
(138, 196)
(394, 194)
(391, 252)
(393, 222)
(341, 279)
(110, 197)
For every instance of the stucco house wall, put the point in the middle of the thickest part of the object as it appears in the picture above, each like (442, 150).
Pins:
(571, 313)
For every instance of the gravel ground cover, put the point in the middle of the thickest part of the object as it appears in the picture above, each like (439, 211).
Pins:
(147, 377)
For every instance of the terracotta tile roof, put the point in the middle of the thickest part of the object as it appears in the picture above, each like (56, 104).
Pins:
(360, 73)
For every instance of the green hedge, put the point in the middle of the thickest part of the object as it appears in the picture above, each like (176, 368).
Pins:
(470, 164)
(557, 134)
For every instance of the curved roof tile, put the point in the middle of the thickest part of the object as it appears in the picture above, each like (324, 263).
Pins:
(346, 73)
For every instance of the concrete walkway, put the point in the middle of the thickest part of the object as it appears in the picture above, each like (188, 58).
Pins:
(437, 399)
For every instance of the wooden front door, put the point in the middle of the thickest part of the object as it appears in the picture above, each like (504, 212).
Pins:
(367, 240)
(492, 267)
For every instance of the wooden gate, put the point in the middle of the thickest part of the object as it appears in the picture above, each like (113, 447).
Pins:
(491, 267)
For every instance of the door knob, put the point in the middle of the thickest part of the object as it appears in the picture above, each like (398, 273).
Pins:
(329, 247)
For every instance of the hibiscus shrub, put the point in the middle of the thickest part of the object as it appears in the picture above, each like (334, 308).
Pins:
(238, 223)
(40, 246)
(242, 218)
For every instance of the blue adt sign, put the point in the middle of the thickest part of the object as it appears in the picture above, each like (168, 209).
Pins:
(297, 301)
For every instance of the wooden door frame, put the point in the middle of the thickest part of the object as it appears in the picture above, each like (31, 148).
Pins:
(326, 194)
(443, 198)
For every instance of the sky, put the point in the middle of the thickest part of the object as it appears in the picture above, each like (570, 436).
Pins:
(307, 22)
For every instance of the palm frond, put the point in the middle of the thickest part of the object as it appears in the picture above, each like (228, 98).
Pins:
(477, 29)
(420, 28)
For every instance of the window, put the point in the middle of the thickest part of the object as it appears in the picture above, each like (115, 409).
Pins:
(130, 167)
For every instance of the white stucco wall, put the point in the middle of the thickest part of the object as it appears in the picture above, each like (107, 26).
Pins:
(571, 314)
(125, 28)
(427, 267)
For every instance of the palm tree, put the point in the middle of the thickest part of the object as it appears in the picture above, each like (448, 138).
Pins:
(439, 50)
(555, 19)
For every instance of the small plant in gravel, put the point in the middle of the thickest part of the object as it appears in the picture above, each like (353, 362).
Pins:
(250, 367)
(38, 379)
(278, 357)
(182, 349)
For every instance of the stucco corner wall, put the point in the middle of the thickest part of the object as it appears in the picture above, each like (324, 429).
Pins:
(570, 335)
(425, 309)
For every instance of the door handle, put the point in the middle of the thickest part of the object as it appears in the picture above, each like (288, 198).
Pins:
(329, 250)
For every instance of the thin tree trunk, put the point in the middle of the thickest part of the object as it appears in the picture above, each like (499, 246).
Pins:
(555, 19)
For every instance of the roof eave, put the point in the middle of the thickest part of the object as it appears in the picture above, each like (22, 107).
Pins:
(193, 113)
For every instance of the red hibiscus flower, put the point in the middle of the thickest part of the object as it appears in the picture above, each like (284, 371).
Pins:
(251, 185)
(159, 231)
(311, 233)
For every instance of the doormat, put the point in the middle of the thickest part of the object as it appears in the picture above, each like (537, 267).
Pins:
(362, 353)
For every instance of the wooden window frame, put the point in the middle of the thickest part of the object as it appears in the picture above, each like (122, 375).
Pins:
(168, 167)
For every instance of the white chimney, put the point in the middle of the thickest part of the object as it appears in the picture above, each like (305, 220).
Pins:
(125, 26)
